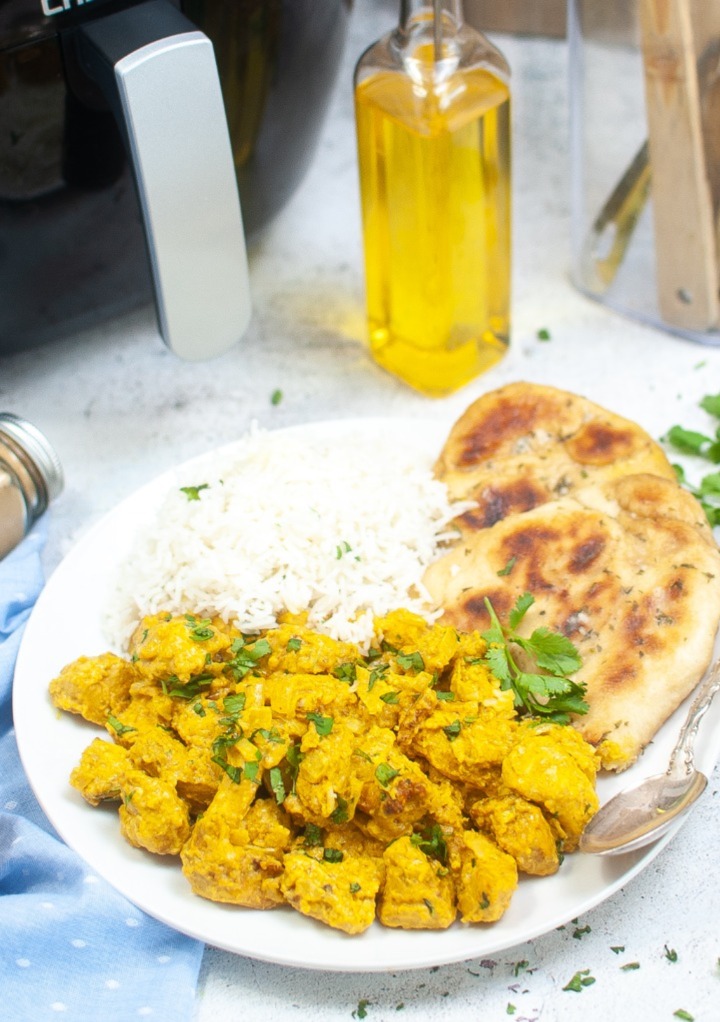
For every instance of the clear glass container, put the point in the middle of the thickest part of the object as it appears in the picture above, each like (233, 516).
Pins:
(432, 102)
(30, 478)
(645, 159)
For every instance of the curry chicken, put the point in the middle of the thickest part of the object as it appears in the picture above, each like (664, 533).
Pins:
(288, 768)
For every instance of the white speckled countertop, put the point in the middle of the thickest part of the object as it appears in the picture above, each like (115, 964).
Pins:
(120, 409)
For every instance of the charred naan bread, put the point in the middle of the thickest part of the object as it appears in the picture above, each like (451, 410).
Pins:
(524, 444)
(581, 508)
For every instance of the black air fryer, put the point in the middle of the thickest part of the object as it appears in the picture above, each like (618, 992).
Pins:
(126, 130)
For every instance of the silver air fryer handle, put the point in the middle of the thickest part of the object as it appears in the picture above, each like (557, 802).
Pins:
(160, 76)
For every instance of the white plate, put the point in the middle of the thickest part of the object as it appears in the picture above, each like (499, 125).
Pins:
(66, 623)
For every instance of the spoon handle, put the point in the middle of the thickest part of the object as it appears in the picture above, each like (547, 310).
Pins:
(681, 760)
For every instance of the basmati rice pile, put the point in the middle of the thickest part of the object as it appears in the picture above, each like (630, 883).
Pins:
(341, 529)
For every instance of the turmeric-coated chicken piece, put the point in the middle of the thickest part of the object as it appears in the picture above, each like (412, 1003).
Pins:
(329, 778)
(520, 829)
(99, 774)
(486, 880)
(148, 708)
(461, 740)
(193, 774)
(395, 791)
(335, 888)
(299, 697)
(471, 681)
(295, 649)
(418, 892)
(542, 767)
(94, 687)
(410, 634)
(235, 853)
(181, 647)
(152, 815)
(385, 693)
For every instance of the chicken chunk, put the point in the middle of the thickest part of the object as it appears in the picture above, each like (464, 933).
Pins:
(486, 880)
(94, 687)
(166, 647)
(543, 768)
(235, 853)
(338, 890)
(521, 830)
(99, 774)
(418, 893)
(298, 650)
(152, 815)
(462, 740)
(408, 634)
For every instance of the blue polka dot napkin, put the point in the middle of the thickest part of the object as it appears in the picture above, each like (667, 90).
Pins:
(71, 948)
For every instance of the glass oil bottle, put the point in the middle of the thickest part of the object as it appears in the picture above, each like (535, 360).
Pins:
(432, 105)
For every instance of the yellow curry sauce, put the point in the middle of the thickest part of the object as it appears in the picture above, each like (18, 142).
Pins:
(290, 768)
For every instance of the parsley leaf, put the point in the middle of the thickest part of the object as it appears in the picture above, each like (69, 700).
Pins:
(545, 690)
(323, 725)
(700, 445)
(432, 842)
(580, 979)
(385, 773)
(193, 492)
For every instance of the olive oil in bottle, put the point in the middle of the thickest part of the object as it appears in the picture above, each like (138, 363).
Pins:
(432, 105)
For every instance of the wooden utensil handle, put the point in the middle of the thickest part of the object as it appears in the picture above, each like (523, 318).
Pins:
(685, 243)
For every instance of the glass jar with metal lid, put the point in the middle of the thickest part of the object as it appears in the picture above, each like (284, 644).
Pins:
(30, 478)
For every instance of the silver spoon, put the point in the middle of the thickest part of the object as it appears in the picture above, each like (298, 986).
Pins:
(641, 814)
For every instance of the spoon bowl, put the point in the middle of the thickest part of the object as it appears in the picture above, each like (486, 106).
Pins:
(643, 813)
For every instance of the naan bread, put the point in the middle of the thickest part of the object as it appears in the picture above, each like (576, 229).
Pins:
(524, 444)
(623, 563)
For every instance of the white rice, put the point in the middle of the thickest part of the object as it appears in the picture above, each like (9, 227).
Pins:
(341, 530)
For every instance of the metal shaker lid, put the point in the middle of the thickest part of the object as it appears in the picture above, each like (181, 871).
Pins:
(31, 450)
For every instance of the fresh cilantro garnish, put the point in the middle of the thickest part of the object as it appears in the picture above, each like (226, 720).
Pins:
(323, 725)
(700, 445)
(332, 855)
(276, 397)
(346, 672)
(547, 690)
(543, 334)
(245, 656)
(580, 979)
(294, 644)
(390, 697)
(432, 842)
(340, 812)
(234, 773)
(199, 630)
(453, 730)
(277, 785)
(410, 661)
(118, 727)
(312, 837)
(630, 966)
(234, 705)
(385, 773)
(671, 954)
(508, 567)
(172, 686)
(193, 492)
(684, 1015)
(294, 758)
(376, 674)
